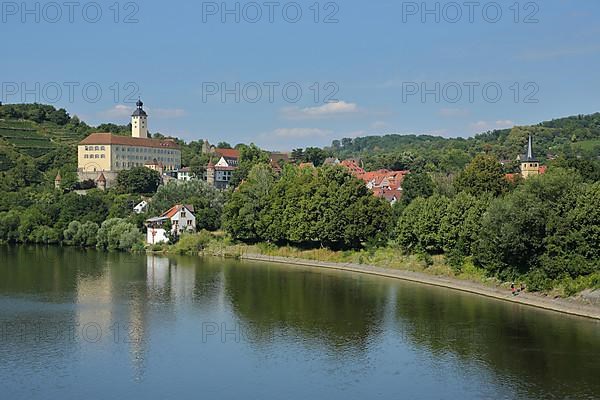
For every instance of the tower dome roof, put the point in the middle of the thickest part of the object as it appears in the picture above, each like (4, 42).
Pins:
(139, 112)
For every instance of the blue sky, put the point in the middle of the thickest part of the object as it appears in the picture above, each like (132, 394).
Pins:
(383, 67)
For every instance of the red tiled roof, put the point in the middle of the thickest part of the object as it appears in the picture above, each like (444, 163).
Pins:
(173, 210)
(353, 166)
(306, 165)
(109, 138)
(276, 167)
(275, 157)
(228, 153)
(392, 179)
(511, 177)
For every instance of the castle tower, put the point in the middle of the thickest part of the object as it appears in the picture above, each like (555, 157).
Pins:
(57, 181)
(530, 166)
(101, 182)
(139, 122)
(210, 173)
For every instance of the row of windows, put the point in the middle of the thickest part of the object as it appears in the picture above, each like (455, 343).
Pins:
(132, 149)
(144, 150)
(146, 158)
(130, 164)
(223, 176)
(94, 156)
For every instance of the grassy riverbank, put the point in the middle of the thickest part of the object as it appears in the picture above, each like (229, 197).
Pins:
(389, 257)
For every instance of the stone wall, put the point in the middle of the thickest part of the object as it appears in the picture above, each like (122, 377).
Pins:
(111, 177)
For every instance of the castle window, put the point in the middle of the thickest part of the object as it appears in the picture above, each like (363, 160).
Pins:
(102, 156)
(102, 148)
(97, 148)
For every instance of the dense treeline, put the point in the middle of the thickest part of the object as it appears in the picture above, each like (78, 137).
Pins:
(39, 213)
(307, 207)
(572, 137)
(545, 228)
(35, 112)
(457, 201)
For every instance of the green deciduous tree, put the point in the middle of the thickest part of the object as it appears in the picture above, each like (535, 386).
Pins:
(460, 227)
(117, 234)
(416, 184)
(419, 227)
(244, 214)
(484, 174)
(78, 234)
(249, 157)
(138, 180)
(9, 226)
(326, 206)
(207, 201)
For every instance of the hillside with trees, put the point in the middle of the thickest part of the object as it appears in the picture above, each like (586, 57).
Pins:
(457, 205)
(572, 137)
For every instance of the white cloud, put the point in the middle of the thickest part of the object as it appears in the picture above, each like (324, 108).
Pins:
(297, 133)
(560, 52)
(118, 111)
(454, 112)
(122, 111)
(437, 132)
(505, 123)
(324, 111)
(167, 113)
(379, 125)
(481, 126)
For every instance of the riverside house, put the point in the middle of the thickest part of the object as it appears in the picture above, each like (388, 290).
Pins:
(179, 218)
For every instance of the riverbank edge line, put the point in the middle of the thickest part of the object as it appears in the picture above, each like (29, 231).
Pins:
(527, 299)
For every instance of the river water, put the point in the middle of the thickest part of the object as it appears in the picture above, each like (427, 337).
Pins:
(87, 324)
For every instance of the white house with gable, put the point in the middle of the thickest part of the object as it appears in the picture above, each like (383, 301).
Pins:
(181, 217)
(140, 207)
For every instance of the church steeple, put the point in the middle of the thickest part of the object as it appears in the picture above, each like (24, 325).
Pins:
(529, 164)
(139, 121)
(530, 156)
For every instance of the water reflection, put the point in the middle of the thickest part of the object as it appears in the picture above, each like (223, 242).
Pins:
(537, 350)
(96, 317)
(337, 312)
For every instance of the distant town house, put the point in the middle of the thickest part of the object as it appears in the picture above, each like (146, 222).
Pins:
(181, 218)
(141, 207)
(219, 174)
(222, 165)
(383, 183)
(185, 174)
